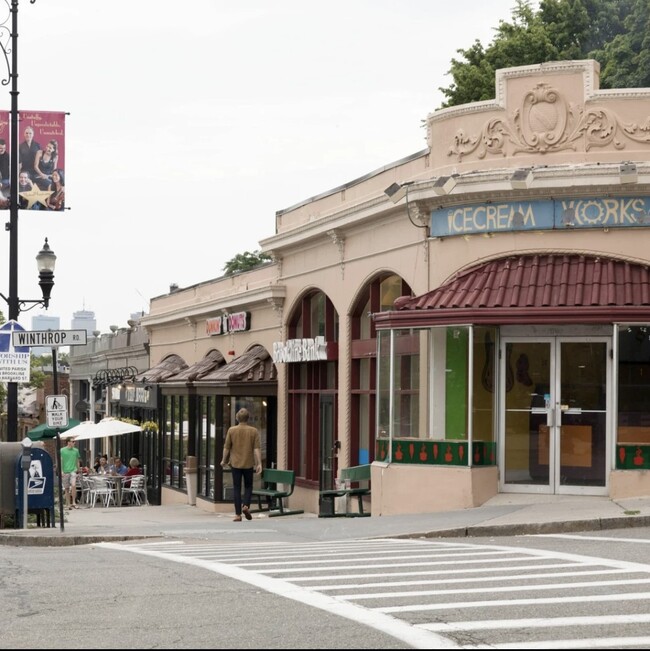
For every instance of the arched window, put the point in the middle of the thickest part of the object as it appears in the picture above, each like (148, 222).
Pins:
(312, 387)
(378, 296)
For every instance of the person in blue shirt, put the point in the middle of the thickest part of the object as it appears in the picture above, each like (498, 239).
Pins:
(118, 467)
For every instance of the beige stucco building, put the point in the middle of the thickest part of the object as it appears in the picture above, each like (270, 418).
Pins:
(517, 358)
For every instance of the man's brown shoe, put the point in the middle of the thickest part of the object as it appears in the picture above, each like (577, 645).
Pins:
(237, 518)
(247, 513)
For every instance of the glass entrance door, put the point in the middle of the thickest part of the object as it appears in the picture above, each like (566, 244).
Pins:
(554, 398)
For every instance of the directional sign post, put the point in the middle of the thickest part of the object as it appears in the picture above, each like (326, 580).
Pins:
(57, 406)
(51, 338)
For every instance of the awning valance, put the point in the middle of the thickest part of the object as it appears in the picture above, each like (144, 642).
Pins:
(170, 365)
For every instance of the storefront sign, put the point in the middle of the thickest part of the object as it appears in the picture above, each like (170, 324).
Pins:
(550, 214)
(300, 350)
(236, 322)
(133, 396)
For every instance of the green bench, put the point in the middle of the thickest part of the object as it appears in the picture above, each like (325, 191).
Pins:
(357, 478)
(273, 496)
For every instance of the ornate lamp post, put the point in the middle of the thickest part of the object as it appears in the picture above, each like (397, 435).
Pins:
(45, 262)
(46, 258)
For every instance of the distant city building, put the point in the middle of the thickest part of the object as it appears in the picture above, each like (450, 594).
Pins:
(43, 322)
(84, 320)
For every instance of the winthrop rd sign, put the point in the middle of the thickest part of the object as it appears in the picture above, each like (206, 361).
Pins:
(51, 338)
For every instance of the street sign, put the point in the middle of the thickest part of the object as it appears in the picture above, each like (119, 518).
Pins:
(56, 411)
(49, 338)
(14, 360)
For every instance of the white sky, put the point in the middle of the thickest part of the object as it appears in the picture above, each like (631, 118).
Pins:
(191, 123)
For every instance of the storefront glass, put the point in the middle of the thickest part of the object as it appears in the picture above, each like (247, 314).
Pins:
(633, 417)
(437, 384)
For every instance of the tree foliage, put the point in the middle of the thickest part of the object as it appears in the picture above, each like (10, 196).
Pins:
(614, 32)
(245, 261)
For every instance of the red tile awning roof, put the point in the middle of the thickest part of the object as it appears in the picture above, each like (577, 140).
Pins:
(535, 289)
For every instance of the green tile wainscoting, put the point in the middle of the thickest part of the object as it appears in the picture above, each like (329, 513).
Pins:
(632, 457)
(437, 453)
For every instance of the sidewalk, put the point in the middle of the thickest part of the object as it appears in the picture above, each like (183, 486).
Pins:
(505, 514)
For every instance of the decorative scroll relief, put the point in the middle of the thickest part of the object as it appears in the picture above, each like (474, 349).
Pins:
(546, 123)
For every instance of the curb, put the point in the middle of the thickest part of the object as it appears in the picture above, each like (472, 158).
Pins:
(54, 539)
(18, 540)
(539, 528)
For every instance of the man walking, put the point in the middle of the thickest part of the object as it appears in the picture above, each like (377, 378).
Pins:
(70, 464)
(242, 450)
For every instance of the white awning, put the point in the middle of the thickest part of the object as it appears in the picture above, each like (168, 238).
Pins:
(105, 428)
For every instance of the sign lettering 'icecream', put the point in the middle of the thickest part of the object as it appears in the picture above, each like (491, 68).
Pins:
(235, 322)
(551, 214)
(300, 350)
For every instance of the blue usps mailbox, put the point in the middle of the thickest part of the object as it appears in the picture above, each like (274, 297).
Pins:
(40, 487)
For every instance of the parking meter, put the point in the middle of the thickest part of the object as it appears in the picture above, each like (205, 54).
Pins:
(26, 459)
(25, 462)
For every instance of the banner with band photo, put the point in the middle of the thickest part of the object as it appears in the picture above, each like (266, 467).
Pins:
(41, 160)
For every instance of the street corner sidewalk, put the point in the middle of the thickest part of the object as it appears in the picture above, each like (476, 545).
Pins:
(503, 515)
(531, 513)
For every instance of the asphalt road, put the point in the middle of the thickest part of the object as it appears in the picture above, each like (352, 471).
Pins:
(557, 591)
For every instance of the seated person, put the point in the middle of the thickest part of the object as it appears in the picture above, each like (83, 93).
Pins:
(118, 468)
(134, 469)
(103, 468)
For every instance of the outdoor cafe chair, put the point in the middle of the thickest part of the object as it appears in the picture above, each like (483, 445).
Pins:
(84, 487)
(136, 490)
(103, 488)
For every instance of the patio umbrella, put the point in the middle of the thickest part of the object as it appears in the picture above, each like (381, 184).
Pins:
(106, 427)
(44, 431)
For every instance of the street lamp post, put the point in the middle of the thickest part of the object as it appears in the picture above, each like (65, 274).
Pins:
(45, 262)
(9, 46)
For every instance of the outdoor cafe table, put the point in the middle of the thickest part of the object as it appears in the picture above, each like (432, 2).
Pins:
(118, 482)
(112, 481)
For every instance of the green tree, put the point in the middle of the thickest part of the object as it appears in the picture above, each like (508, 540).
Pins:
(614, 32)
(36, 375)
(245, 261)
(625, 59)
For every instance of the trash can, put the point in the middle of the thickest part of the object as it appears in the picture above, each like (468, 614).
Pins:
(40, 488)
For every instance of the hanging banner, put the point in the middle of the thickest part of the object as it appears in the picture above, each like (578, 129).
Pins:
(41, 160)
(5, 182)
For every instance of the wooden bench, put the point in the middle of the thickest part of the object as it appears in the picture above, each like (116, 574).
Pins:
(348, 477)
(272, 478)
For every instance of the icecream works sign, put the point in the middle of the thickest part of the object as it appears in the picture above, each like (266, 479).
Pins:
(550, 214)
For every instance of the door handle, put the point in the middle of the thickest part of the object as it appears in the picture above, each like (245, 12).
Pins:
(550, 414)
(573, 410)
